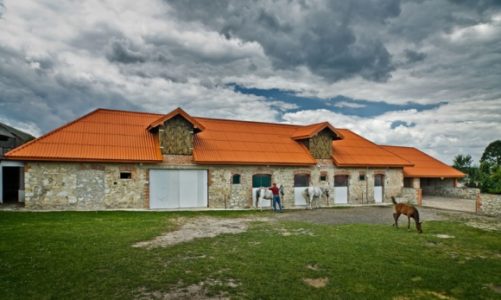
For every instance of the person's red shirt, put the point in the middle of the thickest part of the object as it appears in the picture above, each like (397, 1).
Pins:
(275, 190)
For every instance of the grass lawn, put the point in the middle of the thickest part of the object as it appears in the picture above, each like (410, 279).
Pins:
(75, 255)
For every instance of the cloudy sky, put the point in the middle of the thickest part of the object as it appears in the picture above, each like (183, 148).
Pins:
(419, 73)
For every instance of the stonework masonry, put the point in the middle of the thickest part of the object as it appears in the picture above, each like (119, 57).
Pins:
(453, 192)
(320, 145)
(90, 186)
(83, 186)
(223, 194)
(490, 204)
(176, 137)
(410, 195)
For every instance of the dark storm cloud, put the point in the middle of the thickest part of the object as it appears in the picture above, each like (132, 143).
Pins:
(121, 51)
(414, 56)
(296, 33)
(30, 93)
(480, 5)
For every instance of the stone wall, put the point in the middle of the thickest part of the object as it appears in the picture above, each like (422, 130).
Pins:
(224, 194)
(410, 195)
(98, 186)
(452, 192)
(362, 191)
(490, 204)
(83, 186)
(176, 137)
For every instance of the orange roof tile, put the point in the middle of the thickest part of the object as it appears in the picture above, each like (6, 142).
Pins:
(424, 165)
(304, 132)
(121, 136)
(172, 114)
(356, 151)
(102, 135)
(248, 143)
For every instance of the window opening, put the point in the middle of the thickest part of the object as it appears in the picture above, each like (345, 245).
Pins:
(125, 175)
(301, 180)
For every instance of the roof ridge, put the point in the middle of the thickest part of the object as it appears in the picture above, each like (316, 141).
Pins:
(398, 146)
(50, 133)
(128, 111)
(16, 132)
(254, 122)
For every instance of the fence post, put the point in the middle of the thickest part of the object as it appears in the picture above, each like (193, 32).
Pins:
(419, 197)
(478, 203)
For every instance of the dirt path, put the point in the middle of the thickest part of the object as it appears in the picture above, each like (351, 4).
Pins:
(356, 215)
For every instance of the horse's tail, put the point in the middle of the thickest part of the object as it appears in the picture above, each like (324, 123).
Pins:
(393, 200)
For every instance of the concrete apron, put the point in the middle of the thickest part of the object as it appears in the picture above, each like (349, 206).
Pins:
(466, 205)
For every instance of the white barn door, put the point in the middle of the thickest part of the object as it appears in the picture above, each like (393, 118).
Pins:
(341, 189)
(301, 182)
(378, 188)
(178, 188)
(258, 181)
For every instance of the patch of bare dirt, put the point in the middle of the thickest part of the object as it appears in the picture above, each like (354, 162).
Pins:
(203, 227)
(312, 267)
(298, 231)
(316, 282)
(426, 295)
(194, 291)
(495, 288)
(485, 225)
(444, 236)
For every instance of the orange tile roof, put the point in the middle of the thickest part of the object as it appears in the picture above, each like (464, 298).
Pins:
(249, 143)
(102, 135)
(356, 151)
(304, 132)
(176, 112)
(424, 165)
(122, 136)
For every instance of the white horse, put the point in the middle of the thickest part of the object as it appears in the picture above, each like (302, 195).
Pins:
(315, 193)
(263, 194)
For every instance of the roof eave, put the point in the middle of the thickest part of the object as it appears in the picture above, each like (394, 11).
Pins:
(73, 159)
(250, 163)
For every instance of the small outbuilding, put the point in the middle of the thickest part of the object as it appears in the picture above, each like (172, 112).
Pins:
(11, 172)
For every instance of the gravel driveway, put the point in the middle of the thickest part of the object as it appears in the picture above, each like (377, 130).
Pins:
(364, 215)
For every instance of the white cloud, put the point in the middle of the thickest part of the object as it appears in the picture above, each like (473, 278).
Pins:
(58, 62)
(443, 132)
(344, 104)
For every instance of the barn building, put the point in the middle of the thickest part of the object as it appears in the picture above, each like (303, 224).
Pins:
(110, 159)
(11, 172)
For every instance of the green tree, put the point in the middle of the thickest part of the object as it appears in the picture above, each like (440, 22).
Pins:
(490, 168)
(491, 158)
(463, 163)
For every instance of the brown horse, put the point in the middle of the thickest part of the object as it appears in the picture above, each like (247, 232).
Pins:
(409, 210)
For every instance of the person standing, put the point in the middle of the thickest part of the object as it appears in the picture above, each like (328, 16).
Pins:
(276, 197)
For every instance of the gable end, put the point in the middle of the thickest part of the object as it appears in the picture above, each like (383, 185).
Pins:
(176, 136)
